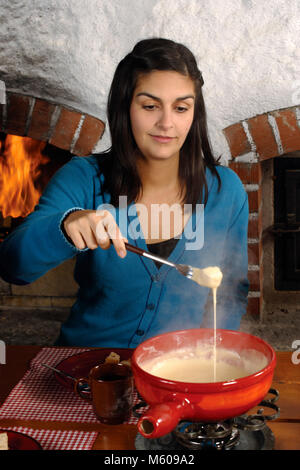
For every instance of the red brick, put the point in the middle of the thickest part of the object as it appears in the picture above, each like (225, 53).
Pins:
(254, 253)
(254, 199)
(263, 137)
(65, 128)
(249, 173)
(288, 129)
(253, 230)
(17, 113)
(90, 133)
(255, 227)
(237, 139)
(254, 306)
(40, 120)
(255, 280)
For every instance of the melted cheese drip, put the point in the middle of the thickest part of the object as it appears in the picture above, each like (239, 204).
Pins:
(210, 277)
(214, 290)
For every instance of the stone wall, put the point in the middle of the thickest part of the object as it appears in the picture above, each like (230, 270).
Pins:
(66, 51)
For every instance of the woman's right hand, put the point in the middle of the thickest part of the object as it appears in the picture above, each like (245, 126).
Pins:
(91, 229)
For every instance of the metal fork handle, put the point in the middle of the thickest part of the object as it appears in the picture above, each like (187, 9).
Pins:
(147, 254)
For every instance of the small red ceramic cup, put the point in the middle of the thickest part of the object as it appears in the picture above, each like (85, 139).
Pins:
(111, 392)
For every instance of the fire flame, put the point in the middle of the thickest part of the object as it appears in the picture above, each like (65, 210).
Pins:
(21, 159)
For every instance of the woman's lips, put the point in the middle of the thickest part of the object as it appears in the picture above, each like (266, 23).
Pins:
(162, 139)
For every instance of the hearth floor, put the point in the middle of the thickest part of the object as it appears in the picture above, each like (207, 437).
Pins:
(41, 327)
(280, 328)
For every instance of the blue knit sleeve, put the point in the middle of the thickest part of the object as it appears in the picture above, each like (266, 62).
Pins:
(38, 244)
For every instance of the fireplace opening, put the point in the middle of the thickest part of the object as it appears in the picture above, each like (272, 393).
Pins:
(286, 227)
(26, 166)
(280, 268)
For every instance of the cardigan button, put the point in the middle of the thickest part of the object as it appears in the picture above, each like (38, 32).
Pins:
(150, 306)
(155, 278)
(140, 332)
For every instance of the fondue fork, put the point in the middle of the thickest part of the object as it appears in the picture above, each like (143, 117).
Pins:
(195, 274)
(68, 376)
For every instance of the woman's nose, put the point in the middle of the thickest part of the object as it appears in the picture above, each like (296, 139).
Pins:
(165, 119)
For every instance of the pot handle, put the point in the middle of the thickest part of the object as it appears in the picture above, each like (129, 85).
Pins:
(161, 419)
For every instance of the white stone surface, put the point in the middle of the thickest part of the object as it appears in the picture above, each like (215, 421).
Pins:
(67, 50)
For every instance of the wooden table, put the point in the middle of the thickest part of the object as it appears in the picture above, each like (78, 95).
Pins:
(286, 428)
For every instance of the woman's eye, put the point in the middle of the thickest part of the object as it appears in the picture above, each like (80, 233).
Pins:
(181, 109)
(149, 107)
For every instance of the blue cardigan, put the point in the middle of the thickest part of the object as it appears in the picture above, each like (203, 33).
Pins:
(121, 302)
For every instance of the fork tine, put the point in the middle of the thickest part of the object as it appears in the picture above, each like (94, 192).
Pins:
(185, 269)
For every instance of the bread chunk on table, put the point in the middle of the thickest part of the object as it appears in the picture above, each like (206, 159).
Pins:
(3, 441)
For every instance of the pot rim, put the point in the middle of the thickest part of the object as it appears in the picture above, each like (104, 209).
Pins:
(204, 387)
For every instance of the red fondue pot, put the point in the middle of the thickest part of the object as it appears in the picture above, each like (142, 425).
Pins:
(172, 401)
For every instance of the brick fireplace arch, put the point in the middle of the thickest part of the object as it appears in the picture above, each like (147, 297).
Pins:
(252, 141)
(61, 126)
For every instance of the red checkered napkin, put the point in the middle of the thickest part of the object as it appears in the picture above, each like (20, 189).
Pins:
(59, 440)
(38, 396)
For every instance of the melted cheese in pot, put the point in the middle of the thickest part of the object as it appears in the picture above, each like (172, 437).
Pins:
(196, 365)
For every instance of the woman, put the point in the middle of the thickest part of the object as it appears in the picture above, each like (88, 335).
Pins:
(160, 157)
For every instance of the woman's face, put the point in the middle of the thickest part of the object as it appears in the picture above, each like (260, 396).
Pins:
(161, 113)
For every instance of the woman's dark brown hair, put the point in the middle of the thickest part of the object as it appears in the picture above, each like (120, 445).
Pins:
(119, 168)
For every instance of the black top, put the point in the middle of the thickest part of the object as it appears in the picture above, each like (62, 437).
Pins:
(163, 249)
